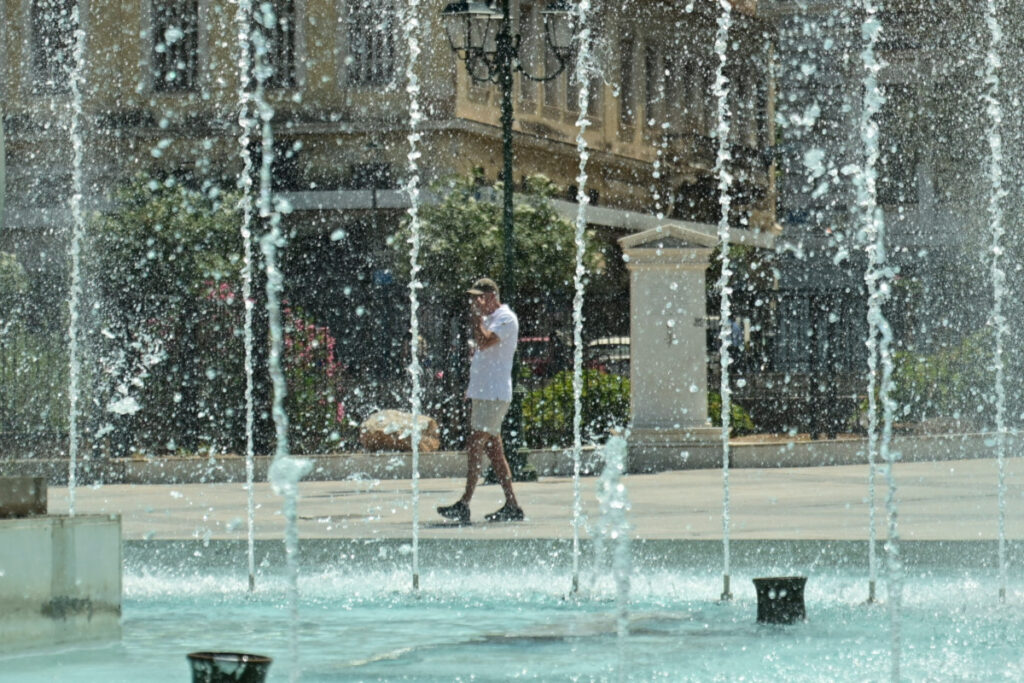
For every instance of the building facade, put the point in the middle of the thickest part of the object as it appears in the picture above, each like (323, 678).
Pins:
(160, 92)
(934, 179)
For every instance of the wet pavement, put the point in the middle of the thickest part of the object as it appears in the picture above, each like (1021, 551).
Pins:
(947, 500)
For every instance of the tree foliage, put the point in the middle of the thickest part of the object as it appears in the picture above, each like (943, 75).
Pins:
(33, 366)
(462, 239)
(13, 281)
(162, 243)
(165, 354)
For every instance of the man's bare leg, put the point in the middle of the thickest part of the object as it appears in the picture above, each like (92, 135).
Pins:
(496, 453)
(475, 448)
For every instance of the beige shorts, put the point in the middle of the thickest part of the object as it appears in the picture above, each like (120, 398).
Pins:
(486, 416)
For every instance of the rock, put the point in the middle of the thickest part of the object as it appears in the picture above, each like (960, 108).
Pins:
(391, 430)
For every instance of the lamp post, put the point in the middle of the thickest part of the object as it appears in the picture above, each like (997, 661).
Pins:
(3, 163)
(3, 168)
(481, 35)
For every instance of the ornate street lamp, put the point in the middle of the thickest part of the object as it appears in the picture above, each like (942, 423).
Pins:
(472, 28)
(481, 35)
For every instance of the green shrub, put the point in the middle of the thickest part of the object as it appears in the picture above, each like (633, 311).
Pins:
(167, 364)
(33, 383)
(13, 282)
(548, 411)
(317, 418)
(740, 422)
(953, 383)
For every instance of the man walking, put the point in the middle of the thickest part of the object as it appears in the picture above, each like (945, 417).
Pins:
(495, 335)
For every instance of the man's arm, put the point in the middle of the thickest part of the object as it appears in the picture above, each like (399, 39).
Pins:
(484, 337)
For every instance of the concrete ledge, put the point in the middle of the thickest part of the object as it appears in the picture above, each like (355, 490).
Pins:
(553, 462)
(658, 450)
(558, 462)
(231, 468)
(854, 451)
(60, 580)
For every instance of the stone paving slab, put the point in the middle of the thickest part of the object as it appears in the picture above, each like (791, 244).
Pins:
(947, 500)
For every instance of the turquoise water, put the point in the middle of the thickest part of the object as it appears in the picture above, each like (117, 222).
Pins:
(499, 611)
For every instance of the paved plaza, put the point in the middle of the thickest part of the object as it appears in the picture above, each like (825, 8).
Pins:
(947, 500)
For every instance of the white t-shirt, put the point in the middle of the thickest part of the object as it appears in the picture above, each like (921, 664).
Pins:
(490, 370)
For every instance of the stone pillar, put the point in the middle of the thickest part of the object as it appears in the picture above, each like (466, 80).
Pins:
(668, 364)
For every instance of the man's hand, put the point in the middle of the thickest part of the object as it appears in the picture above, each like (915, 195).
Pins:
(483, 337)
(479, 305)
(475, 325)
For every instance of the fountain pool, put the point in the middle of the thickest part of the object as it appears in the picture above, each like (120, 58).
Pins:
(494, 610)
(508, 615)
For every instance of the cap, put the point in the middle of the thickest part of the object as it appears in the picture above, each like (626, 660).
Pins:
(482, 286)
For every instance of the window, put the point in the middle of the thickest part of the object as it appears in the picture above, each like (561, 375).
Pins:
(53, 28)
(761, 113)
(274, 24)
(553, 89)
(819, 332)
(371, 42)
(531, 52)
(175, 45)
(743, 116)
(572, 96)
(273, 30)
(654, 79)
(527, 94)
(685, 97)
(372, 176)
(627, 95)
(902, 31)
(792, 343)
(898, 153)
(676, 105)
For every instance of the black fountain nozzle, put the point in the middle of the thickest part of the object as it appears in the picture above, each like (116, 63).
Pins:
(228, 667)
(780, 599)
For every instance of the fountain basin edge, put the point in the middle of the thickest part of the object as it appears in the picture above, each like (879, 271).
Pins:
(60, 580)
